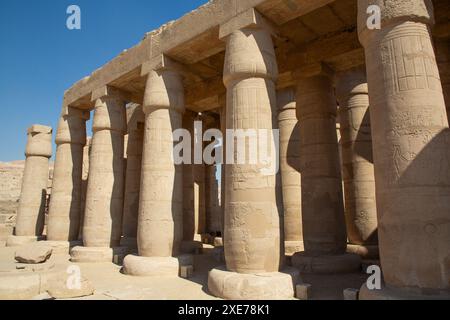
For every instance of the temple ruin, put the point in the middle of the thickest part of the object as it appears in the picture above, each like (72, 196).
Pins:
(364, 151)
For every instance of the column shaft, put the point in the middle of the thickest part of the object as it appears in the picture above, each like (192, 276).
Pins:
(30, 214)
(253, 239)
(252, 221)
(410, 136)
(84, 183)
(322, 207)
(290, 170)
(324, 231)
(133, 177)
(65, 204)
(188, 184)
(160, 223)
(104, 201)
(357, 160)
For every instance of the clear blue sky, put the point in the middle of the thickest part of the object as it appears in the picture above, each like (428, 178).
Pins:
(40, 58)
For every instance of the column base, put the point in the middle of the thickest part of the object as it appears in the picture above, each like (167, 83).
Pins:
(129, 242)
(292, 247)
(386, 293)
(60, 247)
(263, 286)
(155, 266)
(17, 241)
(98, 254)
(326, 264)
(366, 252)
(218, 242)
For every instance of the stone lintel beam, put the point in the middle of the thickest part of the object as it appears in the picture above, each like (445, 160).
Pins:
(247, 19)
(164, 62)
(108, 91)
(311, 70)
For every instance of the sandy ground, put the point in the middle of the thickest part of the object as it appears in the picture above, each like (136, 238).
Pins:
(111, 284)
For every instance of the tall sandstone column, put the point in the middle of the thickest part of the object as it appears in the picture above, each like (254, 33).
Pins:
(357, 162)
(30, 214)
(84, 183)
(290, 170)
(133, 178)
(252, 237)
(63, 224)
(411, 152)
(102, 227)
(160, 222)
(324, 232)
(189, 245)
(442, 46)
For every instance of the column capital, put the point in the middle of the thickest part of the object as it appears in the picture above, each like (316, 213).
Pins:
(110, 111)
(162, 63)
(39, 141)
(164, 90)
(108, 92)
(250, 18)
(313, 70)
(286, 99)
(351, 82)
(69, 111)
(393, 11)
(72, 128)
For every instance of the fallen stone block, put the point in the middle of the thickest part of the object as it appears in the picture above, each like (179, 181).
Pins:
(19, 286)
(61, 287)
(33, 254)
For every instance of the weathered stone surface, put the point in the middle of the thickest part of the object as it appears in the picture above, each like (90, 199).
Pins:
(410, 146)
(30, 215)
(33, 254)
(15, 286)
(357, 159)
(290, 170)
(102, 226)
(63, 221)
(61, 287)
(151, 266)
(135, 119)
(263, 286)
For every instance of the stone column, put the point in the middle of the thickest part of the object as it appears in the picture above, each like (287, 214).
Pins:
(212, 214)
(324, 234)
(63, 223)
(199, 194)
(212, 201)
(290, 170)
(160, 222)
(442, 46)
(357, 163)
(133, 178)
(84, 182)
(30, 214)
(410, 135)
(102, 226)
(252, 221)
(189, 245)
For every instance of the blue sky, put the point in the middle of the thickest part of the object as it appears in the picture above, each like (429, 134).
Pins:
(40, 58)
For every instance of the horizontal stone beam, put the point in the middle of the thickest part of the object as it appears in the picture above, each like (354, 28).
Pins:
(176, 37)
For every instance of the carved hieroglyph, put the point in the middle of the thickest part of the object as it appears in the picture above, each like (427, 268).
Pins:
(410, 143)
(357, 160)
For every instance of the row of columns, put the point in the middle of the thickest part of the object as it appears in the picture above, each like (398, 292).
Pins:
(403, 156)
